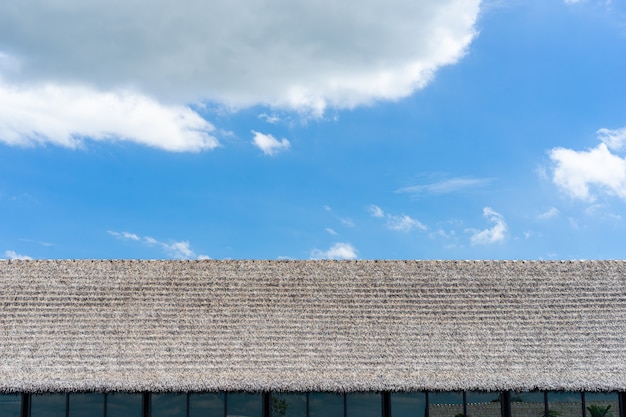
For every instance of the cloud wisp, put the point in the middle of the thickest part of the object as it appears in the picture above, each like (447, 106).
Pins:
(584, 174)
(493, 234)
(400, 223)
(614, 138)
(14, 256)
(269, 144)
(177, 249)
(339, 251)
(550, 213)
(445, 186)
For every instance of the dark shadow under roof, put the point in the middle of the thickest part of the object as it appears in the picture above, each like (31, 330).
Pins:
(312, 325)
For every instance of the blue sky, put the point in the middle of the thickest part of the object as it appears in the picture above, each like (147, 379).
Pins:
(431, 129)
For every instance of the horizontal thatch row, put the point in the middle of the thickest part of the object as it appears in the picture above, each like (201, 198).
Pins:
(312, 325)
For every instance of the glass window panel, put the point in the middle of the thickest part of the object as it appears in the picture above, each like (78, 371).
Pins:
(600, 404)
(121, 404)
(168, 405)
(325, 404)
(47, 405)
(445, 404)
(483, 404)
(243, 404)
(408, 404)
(289, 405)
(10, 405)
(87, 405)
(206, 405)
(364, 404)
(564, 404)
(527, 404)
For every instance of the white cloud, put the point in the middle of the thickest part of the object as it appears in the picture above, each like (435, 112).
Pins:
(179, 250)
(346, 221)
(442, 234)
(404, 223)
(149, 240)
(446, 186)
(376, 211)
(269, 144)
(549, 214)
(331, 231)
(124, 235)
(64, 115)
(298, 54)
(176, 249)
(577, 172)
(613, 138)
(494, 234)
(12, 255)
(603, 2)
(401, 223)
(337, 251)
(269, 118)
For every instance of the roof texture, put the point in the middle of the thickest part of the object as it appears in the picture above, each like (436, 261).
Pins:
(312, 325)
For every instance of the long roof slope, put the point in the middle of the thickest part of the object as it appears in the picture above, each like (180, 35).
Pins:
(312, 325)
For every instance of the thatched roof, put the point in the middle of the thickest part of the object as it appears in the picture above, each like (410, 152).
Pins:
(312, 325)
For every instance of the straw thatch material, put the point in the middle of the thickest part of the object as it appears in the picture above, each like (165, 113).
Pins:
(312, 325)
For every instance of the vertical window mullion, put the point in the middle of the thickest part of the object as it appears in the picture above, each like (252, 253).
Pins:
(187, 404)
(106, 399)
(505, 404)
(386, 404)
(583, 403)
(622, 403)
(225, 404)
(67, 404)
(146, 404)
(26, 405)
(345, 405)
(267, 404)
(307, 404)
(545, 404)
(427, 411)
(464, 403)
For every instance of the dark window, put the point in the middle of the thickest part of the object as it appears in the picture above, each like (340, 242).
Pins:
(48, 405)
(527, 404)
(483, 404)
(315, 404)
(86, 405)
(445, 404)
(602, 404)
(408, 404)
(565, 404)
(364, 404)
(10, 405)
(123, 405)
(206, 405)
(288, 405)
(325, 404)
(169, 405)
(243, 404)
